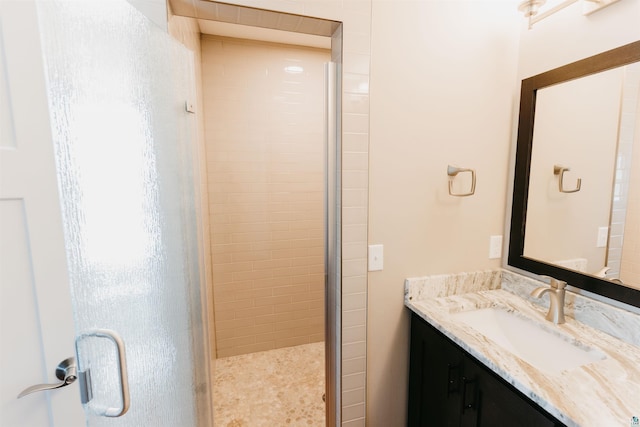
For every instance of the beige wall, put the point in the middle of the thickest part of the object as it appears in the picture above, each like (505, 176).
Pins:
(577, 127)
(442, 92)
(264, 128)
(444, 83)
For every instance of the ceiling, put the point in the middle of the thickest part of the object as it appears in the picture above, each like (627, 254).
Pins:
(216, 18)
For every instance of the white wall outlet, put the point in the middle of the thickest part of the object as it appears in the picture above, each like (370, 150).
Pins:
(376, 257)
(603, 236)
(495, 247)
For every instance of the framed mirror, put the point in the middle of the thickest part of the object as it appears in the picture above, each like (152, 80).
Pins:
(577, 175)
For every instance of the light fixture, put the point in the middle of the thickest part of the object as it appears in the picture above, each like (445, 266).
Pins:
(530, 8)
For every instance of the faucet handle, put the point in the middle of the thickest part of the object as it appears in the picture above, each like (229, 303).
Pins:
(555, 283)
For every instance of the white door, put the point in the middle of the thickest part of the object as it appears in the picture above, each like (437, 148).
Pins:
(37, 325)
(99, 219)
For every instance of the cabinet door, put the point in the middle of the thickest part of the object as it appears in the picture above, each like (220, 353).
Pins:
(497, 403)
(448, 387)
(435, 381)
(471, 395)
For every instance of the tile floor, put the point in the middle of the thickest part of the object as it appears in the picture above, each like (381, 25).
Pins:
(282, 387)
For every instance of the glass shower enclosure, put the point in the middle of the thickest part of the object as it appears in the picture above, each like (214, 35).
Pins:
(117, 87)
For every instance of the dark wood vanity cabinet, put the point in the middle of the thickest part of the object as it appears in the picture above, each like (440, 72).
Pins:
(448, 387)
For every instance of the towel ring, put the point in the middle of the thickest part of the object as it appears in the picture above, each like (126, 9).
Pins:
(560, 170)
(452, 171)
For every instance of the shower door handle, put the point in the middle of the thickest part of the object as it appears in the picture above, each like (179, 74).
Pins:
(66, 371)
(86, 391)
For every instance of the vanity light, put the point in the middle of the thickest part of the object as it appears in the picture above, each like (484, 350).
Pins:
(530, 8)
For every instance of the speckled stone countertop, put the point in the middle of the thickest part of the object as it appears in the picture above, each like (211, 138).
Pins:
(599, 394)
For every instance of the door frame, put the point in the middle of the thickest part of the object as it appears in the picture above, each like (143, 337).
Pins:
(333, 212)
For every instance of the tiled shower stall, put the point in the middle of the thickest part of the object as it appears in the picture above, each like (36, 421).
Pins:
(264, 132)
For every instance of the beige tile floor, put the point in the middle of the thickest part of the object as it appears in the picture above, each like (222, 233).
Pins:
(273, 388)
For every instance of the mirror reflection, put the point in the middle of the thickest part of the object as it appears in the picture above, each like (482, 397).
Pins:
(584, 189)
(576, 210)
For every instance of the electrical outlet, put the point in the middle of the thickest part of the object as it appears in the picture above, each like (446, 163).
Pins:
(376, 257)
(603, 236)
(495, 247)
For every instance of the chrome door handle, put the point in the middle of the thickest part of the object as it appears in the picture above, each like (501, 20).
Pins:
(86, 391)
(66, 371)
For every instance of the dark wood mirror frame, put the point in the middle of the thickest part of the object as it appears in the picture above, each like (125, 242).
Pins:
(614, 58)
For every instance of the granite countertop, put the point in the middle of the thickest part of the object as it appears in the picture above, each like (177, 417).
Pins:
(601, 393)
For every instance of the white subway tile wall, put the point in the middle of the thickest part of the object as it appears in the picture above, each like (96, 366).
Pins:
(356, 18)
(264, 128)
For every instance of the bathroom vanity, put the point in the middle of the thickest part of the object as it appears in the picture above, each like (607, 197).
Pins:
(448, 386)
(482, 354)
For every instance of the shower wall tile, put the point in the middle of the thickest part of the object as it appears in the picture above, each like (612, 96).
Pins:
(327, 9)
(355, 334)
(354, 422)
(354, 365)
(356, 43)
(353, 268)
(357, 19)
(355, 83)
(354, 198)
(356, 63)
(356, 284)
(351, 318)
(354, 411)
(354, 161)
(352, 251)
(356, 143)
(356, 214)
(355, 123)
(354, 301)
(352, 381)
(356, 233)
(353, 397)
(264, 135)
(356, 103)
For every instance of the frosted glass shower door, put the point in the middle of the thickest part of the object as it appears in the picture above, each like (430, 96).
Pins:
(117, 87)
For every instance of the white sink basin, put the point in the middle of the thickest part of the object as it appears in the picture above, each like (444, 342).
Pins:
(531, 341)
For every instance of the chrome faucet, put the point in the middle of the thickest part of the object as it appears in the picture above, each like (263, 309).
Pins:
(556, 299)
